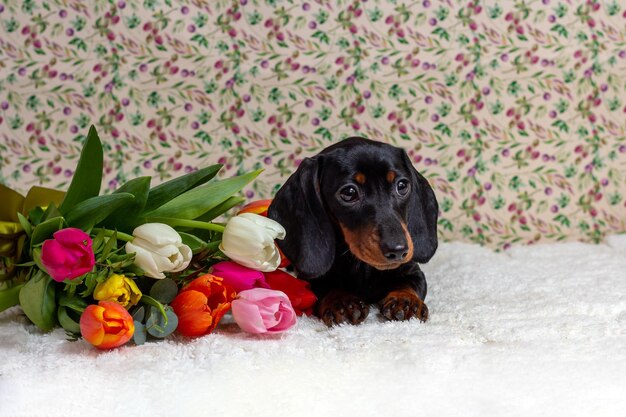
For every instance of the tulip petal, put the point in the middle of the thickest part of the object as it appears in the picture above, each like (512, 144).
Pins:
(276, 230)
(248, 316)
(238, 276)
(158, 233)
(185, 258)
(272, 310)
(72, 236)
(106, 325)
(144, 260)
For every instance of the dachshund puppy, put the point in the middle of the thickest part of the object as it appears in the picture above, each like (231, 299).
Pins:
(359, 218)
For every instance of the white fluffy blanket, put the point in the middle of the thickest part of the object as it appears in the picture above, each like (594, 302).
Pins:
(535, 331)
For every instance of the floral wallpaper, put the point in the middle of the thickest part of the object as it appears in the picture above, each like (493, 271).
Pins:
(514, 110)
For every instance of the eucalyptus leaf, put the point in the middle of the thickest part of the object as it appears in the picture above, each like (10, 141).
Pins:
(88, 175)
(163, 193)
(139, 314)
(194, 203)
(164, 290)
(92, 211)
(37, 299)
(159, 327)
(45, 230)
(141, 333)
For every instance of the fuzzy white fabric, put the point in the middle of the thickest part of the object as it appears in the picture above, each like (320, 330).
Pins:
(534, 331)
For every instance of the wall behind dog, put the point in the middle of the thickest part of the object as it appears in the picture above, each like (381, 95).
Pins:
(514, 112)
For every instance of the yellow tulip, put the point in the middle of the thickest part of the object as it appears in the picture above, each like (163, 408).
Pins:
(119, 289)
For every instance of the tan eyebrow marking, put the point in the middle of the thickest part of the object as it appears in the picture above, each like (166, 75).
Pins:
(391, 175)
(359, 177)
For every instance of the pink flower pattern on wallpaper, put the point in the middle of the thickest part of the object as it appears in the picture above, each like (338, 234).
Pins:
(515, 111)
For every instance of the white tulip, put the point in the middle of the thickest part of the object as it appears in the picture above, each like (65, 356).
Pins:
(158, 248)
(248, 239)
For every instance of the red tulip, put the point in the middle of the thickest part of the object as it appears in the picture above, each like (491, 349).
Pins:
(106, 325)
(201, 305)
(299, 293)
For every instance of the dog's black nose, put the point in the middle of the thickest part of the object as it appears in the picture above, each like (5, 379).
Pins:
(396, 252)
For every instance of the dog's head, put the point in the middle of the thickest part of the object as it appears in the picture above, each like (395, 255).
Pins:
(367, 193)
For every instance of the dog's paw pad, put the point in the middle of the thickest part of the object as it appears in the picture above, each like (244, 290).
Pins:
(342, 308)
(403, 305)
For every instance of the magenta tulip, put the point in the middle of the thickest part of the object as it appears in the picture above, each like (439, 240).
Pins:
(238, 276)
(69, 255)
(260, 310)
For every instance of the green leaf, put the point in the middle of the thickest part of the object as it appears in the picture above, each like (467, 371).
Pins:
(123, 218)
(45, 230)
(163, 193)
(221, 209)
(196, 244)
(10, 297)
(51, 212)
(92, 211)
(74, 303)
(196, 202)
(88, 175)
(28, 228)
(161, 327)
(67, 322)
(37, 301)
(108, 247)
(164, 290)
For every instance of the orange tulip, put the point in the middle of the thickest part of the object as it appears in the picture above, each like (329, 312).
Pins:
(106, 325)
(201, 304)
(257, 207)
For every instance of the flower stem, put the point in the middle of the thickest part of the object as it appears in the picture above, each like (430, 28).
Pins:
(194, 224)
(120, 235)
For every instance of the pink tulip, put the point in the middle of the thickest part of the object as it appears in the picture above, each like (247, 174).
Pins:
(239, 277)
(260, 310)
(69, 255)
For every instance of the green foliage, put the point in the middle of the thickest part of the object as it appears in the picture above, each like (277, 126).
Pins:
(88, 176)
(37, 299)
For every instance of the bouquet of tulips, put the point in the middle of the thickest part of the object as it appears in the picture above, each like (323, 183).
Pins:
(144, 261)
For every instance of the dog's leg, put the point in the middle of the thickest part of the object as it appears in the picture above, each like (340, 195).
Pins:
(339, 306)
(403, 304)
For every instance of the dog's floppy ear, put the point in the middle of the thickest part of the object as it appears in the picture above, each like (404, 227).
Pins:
(298, 207)
(422, 216)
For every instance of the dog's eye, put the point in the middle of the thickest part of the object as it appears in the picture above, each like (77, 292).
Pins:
(349, 194)
(403, 187)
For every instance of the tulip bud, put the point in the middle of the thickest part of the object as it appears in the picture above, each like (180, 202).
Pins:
(106, 325)
(158, 248)
(119, 289)
(260, 310)
(69, 255)
(248, 239)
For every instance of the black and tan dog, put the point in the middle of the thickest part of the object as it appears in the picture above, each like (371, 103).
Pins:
(359, 218)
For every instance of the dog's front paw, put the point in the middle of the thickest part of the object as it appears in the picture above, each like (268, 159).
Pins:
(341, 307)
(403, 305)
